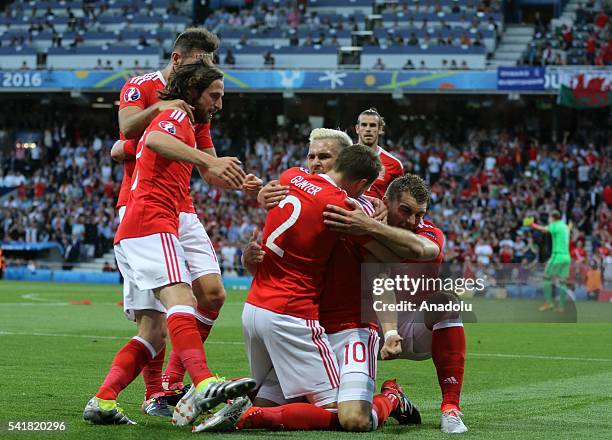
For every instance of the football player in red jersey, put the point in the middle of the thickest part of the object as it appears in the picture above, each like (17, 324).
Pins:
(353, 341)
(139, 104)
(370, 125)
(421, 334)
(151, 257)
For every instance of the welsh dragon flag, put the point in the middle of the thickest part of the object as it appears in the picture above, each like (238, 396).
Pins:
(583, 93)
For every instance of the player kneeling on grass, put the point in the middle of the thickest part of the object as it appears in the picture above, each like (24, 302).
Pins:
(149, 253)
(423, 334)
(358, 408)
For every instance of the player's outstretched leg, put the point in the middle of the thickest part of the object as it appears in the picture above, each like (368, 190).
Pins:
(100, 412)
(127, 364)
(208, 390)
(210, 295)
(240, 415)
(174, 374)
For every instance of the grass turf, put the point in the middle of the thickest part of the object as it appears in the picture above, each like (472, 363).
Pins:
(527, 381)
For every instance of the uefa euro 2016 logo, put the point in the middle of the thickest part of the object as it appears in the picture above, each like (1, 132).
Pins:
(131, 94)
(168, 126)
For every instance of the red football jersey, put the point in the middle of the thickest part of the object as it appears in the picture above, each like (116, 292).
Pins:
(426, 269)
(159, 185)
(340, 306)
(298, 246)
(392, 169)
(141, 91)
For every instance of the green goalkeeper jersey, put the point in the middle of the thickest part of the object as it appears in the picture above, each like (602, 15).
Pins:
(560, 235)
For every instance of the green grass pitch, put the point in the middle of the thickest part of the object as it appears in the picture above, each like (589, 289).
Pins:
(522, 381)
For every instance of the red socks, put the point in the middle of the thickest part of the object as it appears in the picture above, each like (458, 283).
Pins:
(151, 374)
(291, 417)
(127, 364)
(175, 369)
(448, 354)
(187, 342)
(383, 406)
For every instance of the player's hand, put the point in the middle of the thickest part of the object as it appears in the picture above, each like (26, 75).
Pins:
(253, 253)
(178, 104)
(392, 348)
(229, 170)
(380, 209)
(354, 222)
(272, 194)
(252, 184)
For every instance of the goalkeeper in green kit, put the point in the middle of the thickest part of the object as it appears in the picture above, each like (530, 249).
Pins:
(558, 266)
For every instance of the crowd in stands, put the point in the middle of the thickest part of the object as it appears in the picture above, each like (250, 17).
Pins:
(485, 184)
(322, 28)
(587, 41)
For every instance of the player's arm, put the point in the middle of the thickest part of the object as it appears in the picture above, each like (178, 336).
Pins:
(405, 244)
(272, 194)
(123, 150)
(253, 253)
(117, 152)
(227, 169)
(540, 228)
(387, 316)
(380, 209)
(251, 184)
(133, 120)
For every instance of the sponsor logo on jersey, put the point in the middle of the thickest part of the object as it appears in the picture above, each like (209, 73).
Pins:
(429, 233)
(131, 94)
(168, 126)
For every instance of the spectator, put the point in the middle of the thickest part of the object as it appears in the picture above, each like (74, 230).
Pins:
(229, 58)
(269, 60)
(593, 281)
(379, 65)
(107, 267)
(408, 65)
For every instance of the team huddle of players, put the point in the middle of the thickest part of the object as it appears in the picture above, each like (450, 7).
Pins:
(311, 350)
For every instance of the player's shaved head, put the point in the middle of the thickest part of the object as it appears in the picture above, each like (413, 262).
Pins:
(196, 39)
(556, 215)
(412, 184)
(189, 81)
(358, 162)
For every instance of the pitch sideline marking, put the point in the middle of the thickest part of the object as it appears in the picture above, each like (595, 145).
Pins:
(499, 355)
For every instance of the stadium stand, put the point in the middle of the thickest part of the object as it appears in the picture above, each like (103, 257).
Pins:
(313, 34)
(583, 37)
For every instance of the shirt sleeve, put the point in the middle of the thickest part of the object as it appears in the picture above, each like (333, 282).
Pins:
(399, 170)
(203, 138)
(173, 122)
(129, 148)
(433, 234)
(132, 95)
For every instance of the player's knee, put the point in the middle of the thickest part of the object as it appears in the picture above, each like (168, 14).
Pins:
(355, 421)
(434, 317)
(216, 297)
(209, 292)
(154, 336)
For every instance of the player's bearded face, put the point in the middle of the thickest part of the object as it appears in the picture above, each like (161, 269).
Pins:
(322, 155)
(368, 130)
(209, 103)
(405, 212)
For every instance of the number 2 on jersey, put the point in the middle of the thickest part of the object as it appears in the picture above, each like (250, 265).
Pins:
(297, 208)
